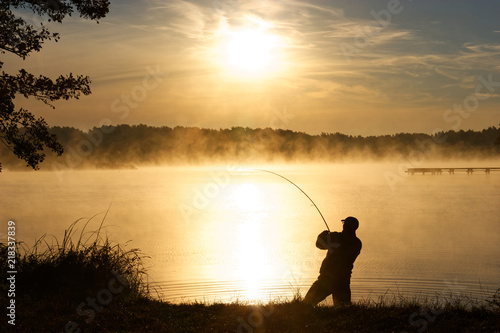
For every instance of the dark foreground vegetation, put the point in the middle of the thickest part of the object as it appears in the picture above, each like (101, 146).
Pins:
(126, 146)
(90, 284)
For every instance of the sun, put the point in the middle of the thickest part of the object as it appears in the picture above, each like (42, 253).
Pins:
(250, 51)
(253, 50)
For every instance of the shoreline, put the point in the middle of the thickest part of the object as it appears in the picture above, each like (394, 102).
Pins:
(147, 315)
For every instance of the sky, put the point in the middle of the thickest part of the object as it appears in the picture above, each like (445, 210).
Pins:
(359, 67)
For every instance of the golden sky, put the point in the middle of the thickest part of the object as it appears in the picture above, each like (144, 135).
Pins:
(364, 67)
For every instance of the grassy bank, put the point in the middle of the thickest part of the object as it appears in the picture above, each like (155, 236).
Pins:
(86, 283)
(143, 315)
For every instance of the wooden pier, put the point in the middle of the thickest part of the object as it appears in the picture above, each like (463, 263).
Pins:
(451, 171)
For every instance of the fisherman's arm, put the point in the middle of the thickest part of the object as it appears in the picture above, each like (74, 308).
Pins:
(322, 241)
(328, 240)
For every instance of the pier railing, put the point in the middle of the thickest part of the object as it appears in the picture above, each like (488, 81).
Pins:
(451, 171)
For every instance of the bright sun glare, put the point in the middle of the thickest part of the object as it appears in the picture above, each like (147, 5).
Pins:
(250, 50)
(246, 197)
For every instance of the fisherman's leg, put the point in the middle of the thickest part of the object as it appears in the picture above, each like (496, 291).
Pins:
(342, 293)
(319, 290)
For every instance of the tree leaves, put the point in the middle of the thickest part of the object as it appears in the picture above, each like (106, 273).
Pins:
(23, 133)
(44, 89)
(26, 137)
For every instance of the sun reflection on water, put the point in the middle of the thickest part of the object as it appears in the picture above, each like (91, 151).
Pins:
(251, 229)
(253, 261)
(252, 248)
(247, 197)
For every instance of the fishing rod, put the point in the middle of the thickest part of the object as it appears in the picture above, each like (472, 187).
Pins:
(274, 173)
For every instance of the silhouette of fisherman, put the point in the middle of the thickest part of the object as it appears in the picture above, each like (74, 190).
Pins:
(335, 272)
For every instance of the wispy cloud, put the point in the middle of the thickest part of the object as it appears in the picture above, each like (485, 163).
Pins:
(314, 35)
(183, 17)
(420, 60)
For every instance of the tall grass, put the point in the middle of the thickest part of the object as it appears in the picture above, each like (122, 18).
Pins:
(78, 265)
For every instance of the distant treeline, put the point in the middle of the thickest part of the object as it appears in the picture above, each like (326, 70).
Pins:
(138, 145)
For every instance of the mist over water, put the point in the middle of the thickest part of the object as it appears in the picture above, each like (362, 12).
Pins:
(220, 233)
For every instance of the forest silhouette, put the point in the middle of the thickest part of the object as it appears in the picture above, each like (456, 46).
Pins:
(125, 146)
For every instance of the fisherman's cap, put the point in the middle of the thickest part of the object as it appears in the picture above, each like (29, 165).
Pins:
(351, 223)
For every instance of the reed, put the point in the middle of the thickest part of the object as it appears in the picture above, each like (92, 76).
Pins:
(80, 264)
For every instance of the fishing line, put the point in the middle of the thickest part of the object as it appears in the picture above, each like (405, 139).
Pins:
(274, 173)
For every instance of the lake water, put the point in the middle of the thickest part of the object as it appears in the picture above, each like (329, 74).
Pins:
(225, 233)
